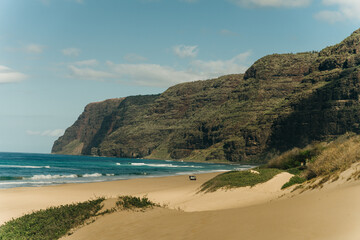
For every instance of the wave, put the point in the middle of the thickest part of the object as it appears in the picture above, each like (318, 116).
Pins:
(118, 164)
(19, 166)
(38, 177)
(169, 165)
(57, 176)
(92, 175)
(12, 183)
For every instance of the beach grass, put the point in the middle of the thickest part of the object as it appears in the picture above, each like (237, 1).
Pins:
(55, 222)
(130, 202)
(235, 179)
(294, 180)
(51, 223)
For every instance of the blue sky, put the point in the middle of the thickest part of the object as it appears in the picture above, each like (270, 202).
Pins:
(56, 56)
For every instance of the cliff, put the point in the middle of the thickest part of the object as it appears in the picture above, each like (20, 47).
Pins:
(282, 101)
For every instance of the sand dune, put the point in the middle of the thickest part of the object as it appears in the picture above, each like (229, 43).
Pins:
(175, 192)
(261, 212)
(331, 213)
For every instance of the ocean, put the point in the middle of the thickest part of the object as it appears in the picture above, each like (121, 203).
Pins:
(33, 170)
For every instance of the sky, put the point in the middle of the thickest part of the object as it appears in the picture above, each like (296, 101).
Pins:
(56, 56)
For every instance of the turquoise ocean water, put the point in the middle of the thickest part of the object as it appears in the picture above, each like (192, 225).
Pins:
(30, 169)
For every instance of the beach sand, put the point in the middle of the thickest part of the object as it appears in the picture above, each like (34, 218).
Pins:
(261, 212)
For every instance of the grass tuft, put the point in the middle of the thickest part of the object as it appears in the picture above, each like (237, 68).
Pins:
(130, 202)
(294, 180)
(338, 156)
(296, 157)
(235, 179)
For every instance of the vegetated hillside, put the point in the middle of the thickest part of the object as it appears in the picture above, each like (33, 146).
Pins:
(282, 101)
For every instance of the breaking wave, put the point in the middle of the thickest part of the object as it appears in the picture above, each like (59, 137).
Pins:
(38, 177)
(92, 175)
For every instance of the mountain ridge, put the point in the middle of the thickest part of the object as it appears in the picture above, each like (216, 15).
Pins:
(281, 101)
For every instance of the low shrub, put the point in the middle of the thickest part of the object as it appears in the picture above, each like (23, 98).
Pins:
(51, 223)
(338, 156)
(130, 202)
(294, 180)
(236, 179)
(296, 157)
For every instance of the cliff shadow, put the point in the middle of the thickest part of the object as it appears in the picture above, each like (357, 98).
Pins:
(329, 111)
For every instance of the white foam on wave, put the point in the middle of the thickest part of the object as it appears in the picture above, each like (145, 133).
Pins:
(38, 177)
(20, 166)
(9, 183)
(118, 164)
(110, 174)
(92, 175)
(165, 165)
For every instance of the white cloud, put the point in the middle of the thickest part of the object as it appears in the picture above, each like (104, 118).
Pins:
(34, 48)
(185, 51)
(347, 9)
(329, 16)
(132, 57)
(47, 133)
(7, 75)
(165, 76)
(90, 62)
(152, 74)
(272, 3)
(89, 73)
(237, 64)
(71, 52)
(160, 75)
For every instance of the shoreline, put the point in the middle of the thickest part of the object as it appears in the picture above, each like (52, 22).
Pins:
(27, 170)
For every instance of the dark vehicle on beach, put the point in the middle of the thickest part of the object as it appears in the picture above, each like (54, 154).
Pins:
(192, 177)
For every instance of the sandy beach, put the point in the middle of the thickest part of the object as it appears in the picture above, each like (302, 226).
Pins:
(262, 212)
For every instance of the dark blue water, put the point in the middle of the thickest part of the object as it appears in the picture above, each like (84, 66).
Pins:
(29, 169)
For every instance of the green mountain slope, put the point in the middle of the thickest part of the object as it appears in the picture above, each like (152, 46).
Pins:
(282, 101)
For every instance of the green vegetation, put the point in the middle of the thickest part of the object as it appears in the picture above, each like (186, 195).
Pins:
(130, 202)
(235, 179)
(338, 156)
(51, 223)
(294, 180)
(73, 147)
(323, 160)
(296, 157)
(55, 222)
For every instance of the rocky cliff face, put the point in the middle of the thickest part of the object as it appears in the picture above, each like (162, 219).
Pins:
(78, 138)
(282, 101)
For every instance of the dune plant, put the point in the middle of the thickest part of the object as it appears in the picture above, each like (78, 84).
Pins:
(235, 179)
(339, 155)
(51, 223)
(130, 202)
